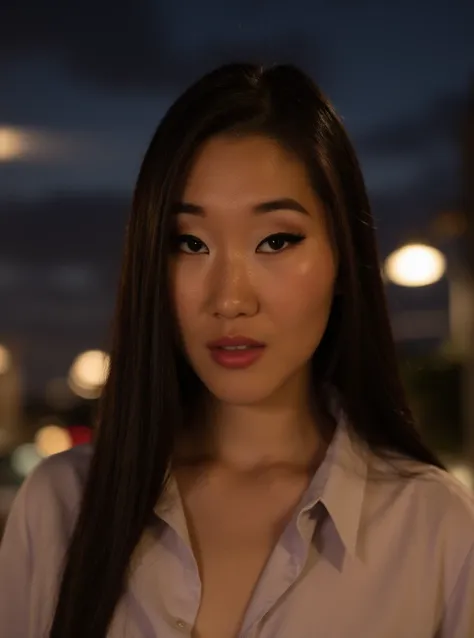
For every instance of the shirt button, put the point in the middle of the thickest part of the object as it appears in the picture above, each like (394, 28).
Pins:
(180, 624)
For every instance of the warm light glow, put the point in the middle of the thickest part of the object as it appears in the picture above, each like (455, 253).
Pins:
(415, 265)
(5, 360)
(84, 392)
(89, 373)
(463, 474)
(13, 143)
(52, 439)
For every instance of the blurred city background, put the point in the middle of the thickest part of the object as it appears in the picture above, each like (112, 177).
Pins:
(83, 86)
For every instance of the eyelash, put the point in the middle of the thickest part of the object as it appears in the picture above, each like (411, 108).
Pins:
(292, 239)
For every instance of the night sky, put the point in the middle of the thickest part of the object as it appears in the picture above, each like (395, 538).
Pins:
(89, 81)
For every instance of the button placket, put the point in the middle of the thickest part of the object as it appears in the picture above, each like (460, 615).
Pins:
(181, 624)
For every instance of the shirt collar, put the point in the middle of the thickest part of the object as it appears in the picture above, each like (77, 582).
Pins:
(339, 484)
(170, 510)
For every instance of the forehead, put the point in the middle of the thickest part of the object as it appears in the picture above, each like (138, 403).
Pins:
(236, 168)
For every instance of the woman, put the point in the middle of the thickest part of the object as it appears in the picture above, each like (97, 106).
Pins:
(256, 471)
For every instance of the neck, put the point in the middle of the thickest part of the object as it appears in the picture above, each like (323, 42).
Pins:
(257, 436)
(287, 431)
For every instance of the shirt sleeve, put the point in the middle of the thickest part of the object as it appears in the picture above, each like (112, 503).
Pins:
(458, 621)
(15, 571)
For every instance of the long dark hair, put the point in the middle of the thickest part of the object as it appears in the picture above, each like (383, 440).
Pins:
(149, 384)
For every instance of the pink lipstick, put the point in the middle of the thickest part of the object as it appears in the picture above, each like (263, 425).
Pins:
(236, 352)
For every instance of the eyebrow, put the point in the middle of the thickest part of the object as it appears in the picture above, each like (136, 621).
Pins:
(285, 203)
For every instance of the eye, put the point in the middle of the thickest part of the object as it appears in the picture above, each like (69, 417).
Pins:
(278, 242)
(191, 245)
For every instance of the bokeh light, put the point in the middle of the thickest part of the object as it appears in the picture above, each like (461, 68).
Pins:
(463, 473)
(52, 439)
(80, 434)
(13, 143)
(5, 360)
(415, 265)
(25, 458)
(89, 373)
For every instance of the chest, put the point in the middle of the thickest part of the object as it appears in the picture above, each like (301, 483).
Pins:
(233, 533)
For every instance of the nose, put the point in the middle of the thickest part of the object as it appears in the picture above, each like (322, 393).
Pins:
(232, 290)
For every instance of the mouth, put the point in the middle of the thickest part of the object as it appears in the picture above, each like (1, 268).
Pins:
(236, 352)
(235, 343)
(232, 348)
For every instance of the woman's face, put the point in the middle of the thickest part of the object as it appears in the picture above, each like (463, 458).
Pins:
(253, 271)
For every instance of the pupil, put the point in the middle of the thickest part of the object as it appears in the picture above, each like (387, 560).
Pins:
(276, 243)
(194, 245)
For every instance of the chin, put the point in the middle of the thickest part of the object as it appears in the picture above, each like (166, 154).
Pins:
(244, 392)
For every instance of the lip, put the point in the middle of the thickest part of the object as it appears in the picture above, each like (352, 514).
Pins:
(238, 340)
(236, 359)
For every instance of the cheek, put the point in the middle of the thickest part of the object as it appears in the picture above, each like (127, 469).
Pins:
(303, 296)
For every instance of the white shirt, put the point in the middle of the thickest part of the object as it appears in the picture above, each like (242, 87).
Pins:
(367, 554)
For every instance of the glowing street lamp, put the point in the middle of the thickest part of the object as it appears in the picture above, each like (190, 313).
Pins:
(415, 265)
